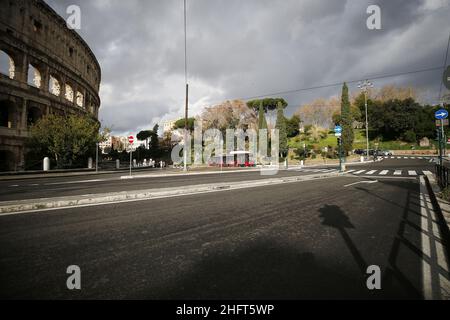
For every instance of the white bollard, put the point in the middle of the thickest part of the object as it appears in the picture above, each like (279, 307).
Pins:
(46, 164)
(89, 163)
(362, 159)
(117, 164)
(301, 163)
(134, 163)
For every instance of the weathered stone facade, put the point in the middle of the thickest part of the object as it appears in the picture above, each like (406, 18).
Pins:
(47, 69)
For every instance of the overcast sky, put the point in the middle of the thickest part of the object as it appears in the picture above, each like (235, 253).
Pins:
(246, 48)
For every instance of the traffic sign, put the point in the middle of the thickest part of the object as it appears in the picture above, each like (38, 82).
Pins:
(131, 139)
(447, 78)
(441, 114)
(444, 122)
(337, 131)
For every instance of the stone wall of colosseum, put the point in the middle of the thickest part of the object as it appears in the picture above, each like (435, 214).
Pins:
(44, 68)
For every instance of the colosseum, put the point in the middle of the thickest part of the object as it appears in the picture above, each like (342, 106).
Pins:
(45, 68)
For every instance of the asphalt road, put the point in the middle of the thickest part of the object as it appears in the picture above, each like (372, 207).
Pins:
(58, 187)
(21, 189)
(296, 240)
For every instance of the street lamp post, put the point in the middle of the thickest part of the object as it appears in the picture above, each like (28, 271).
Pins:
(96, 158)
(364, 86)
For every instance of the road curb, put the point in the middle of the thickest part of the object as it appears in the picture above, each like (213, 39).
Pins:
(22, 206)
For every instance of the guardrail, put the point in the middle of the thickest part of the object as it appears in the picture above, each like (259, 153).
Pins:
(442, 176)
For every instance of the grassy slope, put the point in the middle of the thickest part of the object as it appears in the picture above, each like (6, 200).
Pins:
(359, 143)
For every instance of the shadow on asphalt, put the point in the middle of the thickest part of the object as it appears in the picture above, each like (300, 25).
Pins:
(269, 270)
(265, 271)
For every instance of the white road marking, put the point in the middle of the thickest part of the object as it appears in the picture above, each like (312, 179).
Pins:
(384, 172)
(73, 182)
(426, 172)
(358, 172)
(348, 171)
(435, 286)
(371, 172)
(368, 182)
(14, 185)
(397, 172)
(412, 173)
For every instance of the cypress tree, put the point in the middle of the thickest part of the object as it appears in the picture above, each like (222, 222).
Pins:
(281, 126)
(346, 121)
(262, 123)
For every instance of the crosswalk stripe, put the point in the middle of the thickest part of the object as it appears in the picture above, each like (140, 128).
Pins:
(412, 173)
(384, 172)
(426, 172)
(371, 172)
(358, 172)
(397, 172)
(399, 157)
(348, 171)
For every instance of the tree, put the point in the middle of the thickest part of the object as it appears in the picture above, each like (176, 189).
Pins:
(262, 123)
(233, 114)
(67, 140)
(281, 126)
(292, 126)
(268, 103)
(179, 124)
(143, 136)
(154, 140)
(346, 121)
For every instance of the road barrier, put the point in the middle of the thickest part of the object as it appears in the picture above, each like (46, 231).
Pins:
(442, 176)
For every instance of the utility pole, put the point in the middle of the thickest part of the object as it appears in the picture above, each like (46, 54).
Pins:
(187, 96)
(364, 86)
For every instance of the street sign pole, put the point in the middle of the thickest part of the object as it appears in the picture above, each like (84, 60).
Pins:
(441, 162)
(131, 152)
(340, 154)
(131, 140)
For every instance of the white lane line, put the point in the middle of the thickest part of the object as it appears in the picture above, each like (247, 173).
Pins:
(371, 172)
(435, 286)
(367, 182)
(412, 173)
(384, 172)
(13, 185)
(73, 182)
(397, 172)
(358, 172)
(33, 185)
(431, 160)
(425, 241)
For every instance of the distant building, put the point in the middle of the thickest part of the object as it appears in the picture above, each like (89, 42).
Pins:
(168, 125)
(106, 146)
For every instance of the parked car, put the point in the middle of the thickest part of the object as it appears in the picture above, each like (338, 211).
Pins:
(358, 151)
(385, 153)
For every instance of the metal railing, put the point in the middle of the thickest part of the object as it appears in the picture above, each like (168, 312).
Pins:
(442, 174)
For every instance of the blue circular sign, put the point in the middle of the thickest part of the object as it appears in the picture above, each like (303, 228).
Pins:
(338, 129)
(441, 114)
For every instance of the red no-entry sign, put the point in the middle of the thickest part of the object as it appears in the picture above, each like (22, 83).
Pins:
(131, 139)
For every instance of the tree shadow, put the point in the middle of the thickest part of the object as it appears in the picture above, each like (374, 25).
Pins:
(334, 217)
(264, 270)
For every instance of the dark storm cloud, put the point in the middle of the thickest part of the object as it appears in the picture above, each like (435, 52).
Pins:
(246, 48)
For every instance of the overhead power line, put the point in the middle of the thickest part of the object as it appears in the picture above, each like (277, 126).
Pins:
(377, 77)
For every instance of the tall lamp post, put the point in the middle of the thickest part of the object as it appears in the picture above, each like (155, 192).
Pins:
(364, 86)
(187, 94)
